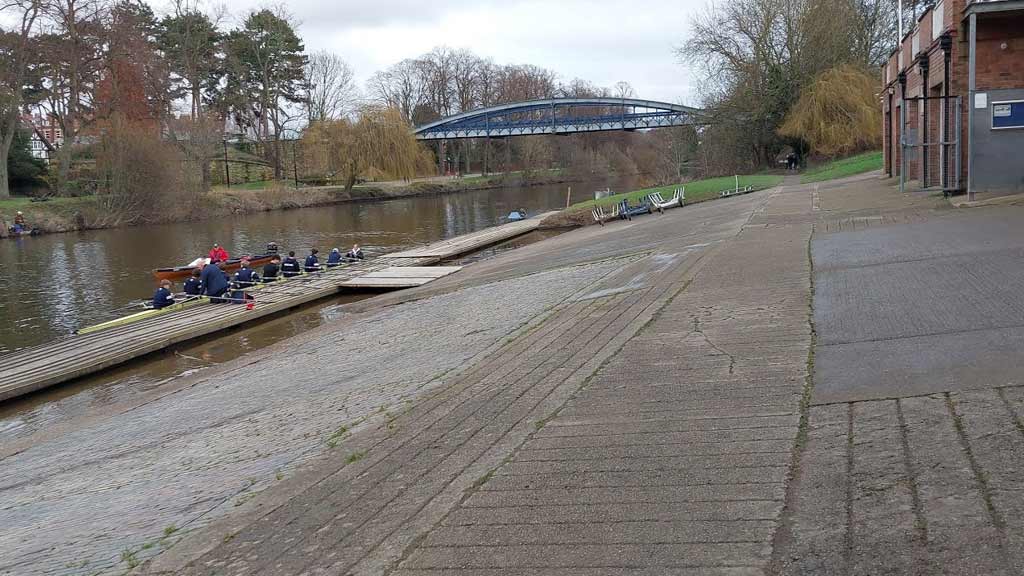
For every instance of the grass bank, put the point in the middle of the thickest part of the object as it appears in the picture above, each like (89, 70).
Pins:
(86, 213)
(858, 164)
(696, 191)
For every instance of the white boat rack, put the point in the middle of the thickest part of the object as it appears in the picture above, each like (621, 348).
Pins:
(659, 202)
(601, 216)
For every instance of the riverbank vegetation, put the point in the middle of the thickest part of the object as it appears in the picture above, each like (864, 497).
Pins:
(791, 76)
(844, 167)
(148, 111)
(695, 191)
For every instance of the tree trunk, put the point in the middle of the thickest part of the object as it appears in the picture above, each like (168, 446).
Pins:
(5, 188)
(7, 132)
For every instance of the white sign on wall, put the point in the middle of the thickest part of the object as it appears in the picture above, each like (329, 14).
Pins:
(1001, 110)
(981, 100)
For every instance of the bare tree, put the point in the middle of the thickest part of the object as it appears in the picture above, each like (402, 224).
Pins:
(71, 58)
(623, 89)
(15, 57)
(399, 87)
(331, 91)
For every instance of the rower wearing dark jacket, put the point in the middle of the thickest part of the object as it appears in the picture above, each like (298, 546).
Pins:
(246, 277)
(215, 282)
(163, 297)
(356, 253)
(270, 271)
(312, 262)
(334, 258)
(193, 286)
(290, 267)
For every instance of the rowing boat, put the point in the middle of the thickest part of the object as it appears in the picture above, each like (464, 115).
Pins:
(182, 272)
(149, 313)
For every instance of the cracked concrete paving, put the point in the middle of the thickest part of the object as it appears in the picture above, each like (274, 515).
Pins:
(653, 416)
(915, 445)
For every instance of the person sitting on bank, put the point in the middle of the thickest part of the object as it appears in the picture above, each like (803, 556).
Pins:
(270, 271)
(246, 277)
(163, 297)
(290, 267)
(193, 286)
(19, 223)
(215, 282)
(218, 254)
(334, 258)
(356, 253)
(312, 262)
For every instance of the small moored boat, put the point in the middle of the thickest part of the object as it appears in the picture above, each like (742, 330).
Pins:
(182, 272)
(517, 215)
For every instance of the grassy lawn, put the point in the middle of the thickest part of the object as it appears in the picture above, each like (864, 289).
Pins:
(858, 164)
(696, 191)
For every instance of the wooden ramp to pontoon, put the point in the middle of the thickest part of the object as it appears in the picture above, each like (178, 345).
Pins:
(75, 356)
(469, 242)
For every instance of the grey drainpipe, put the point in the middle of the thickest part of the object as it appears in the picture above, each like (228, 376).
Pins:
(972, 87)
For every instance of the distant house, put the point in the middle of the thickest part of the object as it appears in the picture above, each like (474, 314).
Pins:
(46, 134)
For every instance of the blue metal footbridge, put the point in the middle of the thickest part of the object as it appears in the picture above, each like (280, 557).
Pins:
(560, 116)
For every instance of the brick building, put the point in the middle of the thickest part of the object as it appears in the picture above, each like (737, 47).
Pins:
(953, 99)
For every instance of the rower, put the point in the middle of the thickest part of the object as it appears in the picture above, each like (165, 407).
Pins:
(290, 267)
(270, 271)
(218, 254)
(334, 259)
(215, 282)
(163, 297)
(356, 253)
(194, 286)
(312, 262)
(272, 248)
(246, 277)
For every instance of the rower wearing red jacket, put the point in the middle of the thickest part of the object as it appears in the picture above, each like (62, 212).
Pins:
(218, 254)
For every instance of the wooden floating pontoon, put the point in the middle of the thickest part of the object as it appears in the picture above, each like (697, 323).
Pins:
(121, 340)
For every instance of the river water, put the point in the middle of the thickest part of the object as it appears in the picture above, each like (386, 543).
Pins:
(54, 284)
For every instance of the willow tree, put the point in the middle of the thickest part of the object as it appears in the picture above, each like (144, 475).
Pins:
(379, 142)
(838, 113)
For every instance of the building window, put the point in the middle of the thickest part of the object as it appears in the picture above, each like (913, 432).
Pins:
(938, 18)
(915, 44)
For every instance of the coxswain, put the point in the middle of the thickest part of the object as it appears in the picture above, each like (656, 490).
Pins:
(334, 258)
(312, 262)
(215, 282)
(194, 286)
(218, 254)
(290, 267)
(356, 253)
(246, 277)
(270, 271)
(163, 297)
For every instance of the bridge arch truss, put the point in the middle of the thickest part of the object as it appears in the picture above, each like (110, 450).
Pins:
(560, 116)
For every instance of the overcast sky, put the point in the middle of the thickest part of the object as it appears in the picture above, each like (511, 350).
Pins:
(603, 41)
